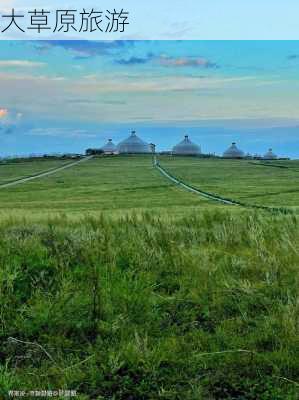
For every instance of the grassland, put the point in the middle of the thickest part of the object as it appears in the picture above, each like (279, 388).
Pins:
(109, 185)
(119, 285)
(118, 185)
(11, 171)
(249, 182)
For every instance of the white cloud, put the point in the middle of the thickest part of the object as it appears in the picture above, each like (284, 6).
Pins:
(130, 98)
(61, 132)
(94, 83)
(21, 63)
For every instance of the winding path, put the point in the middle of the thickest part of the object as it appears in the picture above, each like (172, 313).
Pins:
(43, 174)
(195, 190)
(215, 197)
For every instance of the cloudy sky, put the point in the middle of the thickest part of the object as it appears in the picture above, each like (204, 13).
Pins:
(69, 95)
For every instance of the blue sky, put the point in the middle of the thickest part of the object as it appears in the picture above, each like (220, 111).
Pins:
(188, 19)
(70, 95)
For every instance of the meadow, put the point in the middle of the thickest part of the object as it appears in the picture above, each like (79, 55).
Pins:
(119, 285)
(11, 171)
(271, 183)
(113, 185)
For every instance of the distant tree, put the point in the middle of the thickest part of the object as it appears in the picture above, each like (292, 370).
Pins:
(92, 152)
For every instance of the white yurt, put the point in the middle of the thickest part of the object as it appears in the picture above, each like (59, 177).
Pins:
(109, 148)
(186, 147)
(133, 145)
(233, 152)
(270, 155)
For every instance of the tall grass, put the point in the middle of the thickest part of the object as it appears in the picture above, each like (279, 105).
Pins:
(201, 307)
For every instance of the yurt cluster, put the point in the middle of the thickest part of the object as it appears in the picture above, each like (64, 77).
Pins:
(135, 145)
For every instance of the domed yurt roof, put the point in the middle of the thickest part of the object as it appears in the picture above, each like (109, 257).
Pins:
(270, 155)
(109, 147)
(233, 152)
(132, 145)
(186, 147)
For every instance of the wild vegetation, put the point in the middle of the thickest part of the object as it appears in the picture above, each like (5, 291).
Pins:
(246, 181)
(113, 185)
(18, 169)
(164, 296)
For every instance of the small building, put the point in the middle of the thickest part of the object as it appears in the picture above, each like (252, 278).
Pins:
(233, 152)
(109, 148)
(270, 155)
(133, 145)
(93, 152)
(186, 148)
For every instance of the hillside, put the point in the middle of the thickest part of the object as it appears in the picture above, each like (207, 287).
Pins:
(119, 285)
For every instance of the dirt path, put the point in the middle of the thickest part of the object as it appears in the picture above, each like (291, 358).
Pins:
(215, 197)
(195, 190)
(43, 174)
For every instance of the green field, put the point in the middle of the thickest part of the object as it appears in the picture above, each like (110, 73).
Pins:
(247, 181)
(117, 185)
(118, 284)
(11, 171)
(111, 185)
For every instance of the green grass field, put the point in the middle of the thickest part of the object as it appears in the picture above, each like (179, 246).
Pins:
(17, 170)
(249, 182)
(122, 184)
(111, 185)
(118, 284)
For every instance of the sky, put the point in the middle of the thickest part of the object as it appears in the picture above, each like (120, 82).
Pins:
(66, 96)
(188, 19)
